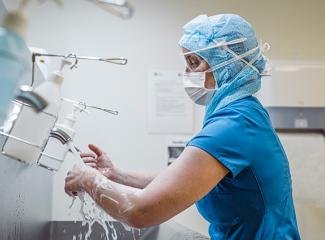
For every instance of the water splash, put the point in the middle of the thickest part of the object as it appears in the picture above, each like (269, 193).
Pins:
(72, 202)
(91, 212)
(74, 152)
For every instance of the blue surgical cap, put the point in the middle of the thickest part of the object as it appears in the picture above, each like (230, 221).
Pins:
(234, 80)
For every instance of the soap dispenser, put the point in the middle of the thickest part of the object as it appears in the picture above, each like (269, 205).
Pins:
(60, 141)
(31, 130)
(13, 63)
(13, 60)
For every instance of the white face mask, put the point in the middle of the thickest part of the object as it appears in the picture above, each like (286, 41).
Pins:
(195, 89)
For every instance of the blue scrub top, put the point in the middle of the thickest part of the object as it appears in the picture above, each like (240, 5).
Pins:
(254, 201)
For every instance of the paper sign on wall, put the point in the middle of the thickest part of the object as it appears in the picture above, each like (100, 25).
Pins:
(175, 149)
(169, 108)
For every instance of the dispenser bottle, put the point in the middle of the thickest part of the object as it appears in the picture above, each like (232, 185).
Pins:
(12, 61)
(59, 142)
(34, 128)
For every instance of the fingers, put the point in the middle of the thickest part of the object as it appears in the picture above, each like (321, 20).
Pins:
(69, 193)
(72, 181)
(89, 159)
(95, 149)
(68, 190)
(89, 154)
(70, 187)
(93, 165)
(68, 180)
(91, 162)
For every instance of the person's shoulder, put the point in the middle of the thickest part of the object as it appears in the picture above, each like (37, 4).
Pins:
(247, 109)
(238, 117)
(249, 102)
(227, 129)
(225, 123)
(229, 115)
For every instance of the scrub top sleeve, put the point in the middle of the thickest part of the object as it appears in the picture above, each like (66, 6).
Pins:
(228, 141)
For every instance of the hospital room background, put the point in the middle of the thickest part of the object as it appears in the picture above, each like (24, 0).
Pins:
(150, 131)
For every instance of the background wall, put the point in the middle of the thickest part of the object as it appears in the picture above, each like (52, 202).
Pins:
(149, 40)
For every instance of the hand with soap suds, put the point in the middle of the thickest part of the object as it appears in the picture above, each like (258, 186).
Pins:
(99, 160)
(78, 178)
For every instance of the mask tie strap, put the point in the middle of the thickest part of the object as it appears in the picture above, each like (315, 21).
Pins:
(249, 52)
(217, 44)
(265, 48)
(243, 60)
(262, 48)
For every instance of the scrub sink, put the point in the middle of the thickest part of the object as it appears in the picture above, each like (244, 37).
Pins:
(167, 231)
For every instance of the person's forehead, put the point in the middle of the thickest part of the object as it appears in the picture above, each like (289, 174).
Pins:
(185, 50)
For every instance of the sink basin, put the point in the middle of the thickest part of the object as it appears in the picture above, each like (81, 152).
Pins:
(68, 230)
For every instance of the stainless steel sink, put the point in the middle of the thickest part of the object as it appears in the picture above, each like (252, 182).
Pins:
(168, 231)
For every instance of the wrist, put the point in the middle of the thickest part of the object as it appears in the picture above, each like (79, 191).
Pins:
(88, 180)
(112, 173)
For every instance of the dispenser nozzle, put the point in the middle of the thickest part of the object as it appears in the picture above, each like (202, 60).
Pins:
(64, 62)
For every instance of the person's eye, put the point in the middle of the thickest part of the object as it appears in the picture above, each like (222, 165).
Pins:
(194, 63)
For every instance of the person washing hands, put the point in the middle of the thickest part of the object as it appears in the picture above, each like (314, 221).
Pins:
(235, 169)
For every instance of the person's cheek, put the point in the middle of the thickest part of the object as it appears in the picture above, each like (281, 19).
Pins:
(210, 82)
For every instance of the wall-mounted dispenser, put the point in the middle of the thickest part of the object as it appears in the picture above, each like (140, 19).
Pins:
(61, 137)
(58, 145)
(294, 95)
(35, 127)
(29, 124)
(13, 61)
